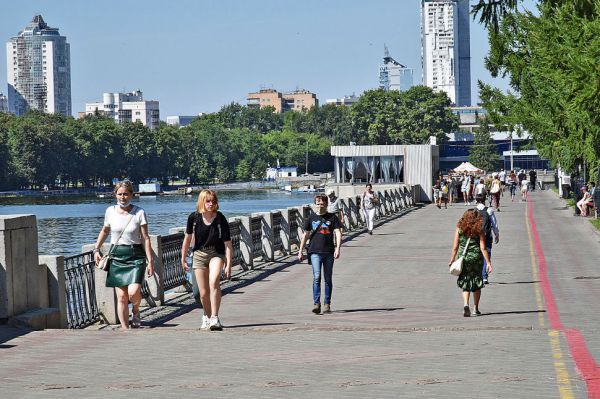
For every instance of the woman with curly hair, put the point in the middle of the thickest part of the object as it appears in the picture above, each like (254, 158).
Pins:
(469, 232)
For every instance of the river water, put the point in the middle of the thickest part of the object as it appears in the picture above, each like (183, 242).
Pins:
(66, 223)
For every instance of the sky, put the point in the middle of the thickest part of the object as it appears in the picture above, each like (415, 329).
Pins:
(198, 55)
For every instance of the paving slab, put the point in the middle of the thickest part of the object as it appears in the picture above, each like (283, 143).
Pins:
(396, 329)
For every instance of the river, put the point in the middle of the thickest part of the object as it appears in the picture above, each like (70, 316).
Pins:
(66, 223)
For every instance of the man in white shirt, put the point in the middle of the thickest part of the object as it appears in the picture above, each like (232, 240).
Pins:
(490, 225)
(502, 177)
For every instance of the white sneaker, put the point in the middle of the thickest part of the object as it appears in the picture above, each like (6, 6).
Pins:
(204, 322)
(215, 324)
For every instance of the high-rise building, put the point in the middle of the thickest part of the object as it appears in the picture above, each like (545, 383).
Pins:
(127, 107)
(3, 103)
(38, 64)
(393, 75)
(346, 101)
(445, 49)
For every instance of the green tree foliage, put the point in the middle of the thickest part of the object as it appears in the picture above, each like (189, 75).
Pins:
(483, 153)
(551, 59)
(394, 117)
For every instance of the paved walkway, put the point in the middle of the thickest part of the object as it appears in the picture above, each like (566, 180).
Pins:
(397, 328)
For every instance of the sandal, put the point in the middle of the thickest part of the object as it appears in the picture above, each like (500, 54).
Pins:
(136, 322)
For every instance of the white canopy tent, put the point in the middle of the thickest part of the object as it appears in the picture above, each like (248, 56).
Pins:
(467, 167)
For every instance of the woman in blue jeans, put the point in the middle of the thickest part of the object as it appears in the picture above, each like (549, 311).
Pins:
(321, 227)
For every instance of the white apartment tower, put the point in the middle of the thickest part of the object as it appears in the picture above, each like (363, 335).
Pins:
(127, 107)
(445, 48)
(393, 75)
(38, 65)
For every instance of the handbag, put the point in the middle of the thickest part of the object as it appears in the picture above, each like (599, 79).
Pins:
(456, 266)
(104, 263)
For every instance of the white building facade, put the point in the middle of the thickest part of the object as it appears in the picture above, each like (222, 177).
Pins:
(127, 107)
(346, 101)
(38, 65)
(445, 48)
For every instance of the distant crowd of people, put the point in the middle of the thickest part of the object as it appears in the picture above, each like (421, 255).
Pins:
(491, 187)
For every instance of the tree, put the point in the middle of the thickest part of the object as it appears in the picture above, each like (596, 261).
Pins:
(483, 153)
(411, 117)
(550, 59)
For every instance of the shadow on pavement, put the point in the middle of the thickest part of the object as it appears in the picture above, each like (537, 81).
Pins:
(512, 312)
(367, 310)
(256, 325)
(8, 333)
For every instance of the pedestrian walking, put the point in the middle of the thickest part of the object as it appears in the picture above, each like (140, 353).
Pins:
(465, 188)
(489, 226)
(323, 231)
(469, 234)
(130, 253)
(495, 191)
(444, 189)
(512, 183)
(502, 176)
(532, 179)
(451, 190)
(524, 188)
(335, 205)
(368, 204)
(212, 254)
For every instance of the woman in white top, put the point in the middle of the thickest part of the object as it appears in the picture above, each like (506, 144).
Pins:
(583, 203)
(131, 252)
(368, 203)
(524, 188)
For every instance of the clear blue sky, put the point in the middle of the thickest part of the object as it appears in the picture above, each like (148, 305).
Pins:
(197, 55)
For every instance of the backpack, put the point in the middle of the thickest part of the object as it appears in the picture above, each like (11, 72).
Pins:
(487, 223)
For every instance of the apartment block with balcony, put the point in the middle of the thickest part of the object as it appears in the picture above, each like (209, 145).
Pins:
(127, 107)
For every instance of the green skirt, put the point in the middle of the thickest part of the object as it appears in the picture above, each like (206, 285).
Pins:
(470, 278)
(127, 265)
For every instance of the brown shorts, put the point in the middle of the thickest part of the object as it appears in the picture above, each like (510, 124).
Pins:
(202, 257)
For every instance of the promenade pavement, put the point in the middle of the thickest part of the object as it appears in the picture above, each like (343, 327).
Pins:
(396, 330)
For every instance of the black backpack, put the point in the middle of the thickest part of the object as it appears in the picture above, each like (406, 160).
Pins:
(487, 223)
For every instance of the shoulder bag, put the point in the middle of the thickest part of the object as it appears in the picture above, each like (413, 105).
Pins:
(456, 266)
(104, 263)
(312, 234)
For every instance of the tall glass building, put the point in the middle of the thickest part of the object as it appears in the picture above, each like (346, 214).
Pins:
(445, 48)
(393, 75)
(39, 70)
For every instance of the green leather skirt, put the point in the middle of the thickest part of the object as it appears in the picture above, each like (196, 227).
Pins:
(127, 265)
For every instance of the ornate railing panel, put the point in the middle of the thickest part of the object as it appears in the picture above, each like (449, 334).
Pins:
(174, 275)
(235, 228)
(82, 308)
(256, 234)
(277, 242)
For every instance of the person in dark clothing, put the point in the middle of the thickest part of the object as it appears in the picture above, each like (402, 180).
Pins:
(532, 179)
(324, 231)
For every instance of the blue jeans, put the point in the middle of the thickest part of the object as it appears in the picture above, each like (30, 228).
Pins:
(326, 260)
(484, 272)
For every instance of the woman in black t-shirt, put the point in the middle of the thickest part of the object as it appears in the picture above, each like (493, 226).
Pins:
(322, 227)
(212, 253)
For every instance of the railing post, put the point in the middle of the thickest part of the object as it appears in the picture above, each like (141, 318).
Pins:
(106, 297)
(246, 242)
(157, 288)
(285, 231)
(57, 289)
(19, 265)
(268, 238)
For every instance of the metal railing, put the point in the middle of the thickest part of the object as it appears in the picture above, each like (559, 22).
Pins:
(294, 216)
(82, 308)
(256, 234)
(277, 242)
(235, 229)
(174, 276)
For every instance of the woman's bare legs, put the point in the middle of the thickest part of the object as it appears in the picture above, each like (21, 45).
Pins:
(214, 282)
(123, 306)
(202, 280)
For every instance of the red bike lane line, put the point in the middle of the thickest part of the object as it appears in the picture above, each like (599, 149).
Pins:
(584, 361)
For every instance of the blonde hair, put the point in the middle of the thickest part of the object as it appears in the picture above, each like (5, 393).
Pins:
(204, 194)
(126, 184)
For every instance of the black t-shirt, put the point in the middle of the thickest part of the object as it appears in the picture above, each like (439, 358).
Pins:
(322, 240)
(214, 235)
